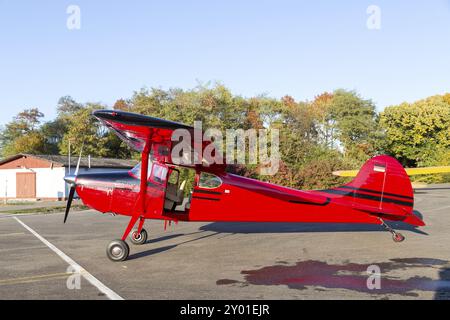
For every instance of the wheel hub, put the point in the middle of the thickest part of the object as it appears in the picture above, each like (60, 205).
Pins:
(116, 251)
(137, 236)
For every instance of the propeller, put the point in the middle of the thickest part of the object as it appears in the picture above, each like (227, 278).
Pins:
(71, 180)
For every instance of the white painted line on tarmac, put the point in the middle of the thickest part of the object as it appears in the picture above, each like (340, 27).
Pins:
(89, 277)
(12, 234)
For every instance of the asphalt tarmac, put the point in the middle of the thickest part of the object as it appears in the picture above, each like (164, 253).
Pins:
(39, 255)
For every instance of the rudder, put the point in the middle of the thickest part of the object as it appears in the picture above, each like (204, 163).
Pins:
(385, 175)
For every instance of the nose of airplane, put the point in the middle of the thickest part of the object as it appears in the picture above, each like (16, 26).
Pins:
(70, 179)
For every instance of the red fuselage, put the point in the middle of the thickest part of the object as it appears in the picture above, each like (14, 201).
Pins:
(236, 199)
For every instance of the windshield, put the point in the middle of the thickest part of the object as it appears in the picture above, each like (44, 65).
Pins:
(136, 171)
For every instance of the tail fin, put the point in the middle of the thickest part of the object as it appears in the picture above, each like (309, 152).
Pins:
(383, 185)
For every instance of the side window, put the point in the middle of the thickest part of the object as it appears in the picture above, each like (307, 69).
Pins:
(209, 181)
(159, 173)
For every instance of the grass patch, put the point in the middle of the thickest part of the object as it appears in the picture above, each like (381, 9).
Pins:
(16, 203)
(47, 210)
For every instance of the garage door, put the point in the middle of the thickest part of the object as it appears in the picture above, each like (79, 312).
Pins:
(26, 185)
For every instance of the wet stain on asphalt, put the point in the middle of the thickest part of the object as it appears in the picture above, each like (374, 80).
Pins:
(226, 281)
(350, 276)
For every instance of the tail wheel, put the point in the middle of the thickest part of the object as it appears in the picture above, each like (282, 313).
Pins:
(118, 250)
(139, 238)
(398, 237)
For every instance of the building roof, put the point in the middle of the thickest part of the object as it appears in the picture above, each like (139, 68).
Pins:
(64, 161)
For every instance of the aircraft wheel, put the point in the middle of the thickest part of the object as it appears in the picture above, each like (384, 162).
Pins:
(139, 238)
(398, 237)
(117, 250)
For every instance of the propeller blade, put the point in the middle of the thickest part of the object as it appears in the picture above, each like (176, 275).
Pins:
(79, 161)
(69, 202)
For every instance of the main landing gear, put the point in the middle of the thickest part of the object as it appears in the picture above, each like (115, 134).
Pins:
(396, 236)
(118, 250)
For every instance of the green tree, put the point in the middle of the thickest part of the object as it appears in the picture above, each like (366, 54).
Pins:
(419, 133)
(67, 106)
(54, 132)
(325, 123)
(122, 105)
(22, 134)
(33, 142)
(215, 106)
(355, 125)
(84, 131)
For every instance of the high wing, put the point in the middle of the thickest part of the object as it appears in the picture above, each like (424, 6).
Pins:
(139, 132)
(135, 130)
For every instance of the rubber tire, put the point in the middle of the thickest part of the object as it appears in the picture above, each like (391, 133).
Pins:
(125, 251)
(398, 237)
(142, 239)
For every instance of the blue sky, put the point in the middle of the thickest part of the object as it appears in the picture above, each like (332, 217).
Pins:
(300, 48)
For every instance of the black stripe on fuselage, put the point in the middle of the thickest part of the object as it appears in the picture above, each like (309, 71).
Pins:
(311, 203)
(368, 197)
(207, 192)
(203, 198)
(377, 192)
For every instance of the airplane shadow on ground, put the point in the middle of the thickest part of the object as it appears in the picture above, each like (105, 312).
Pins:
(281, 227)
(167, 248)
(172, 236)
(151, 252)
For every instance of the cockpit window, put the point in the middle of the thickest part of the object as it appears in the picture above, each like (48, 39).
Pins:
(209, 181)
(159, 173)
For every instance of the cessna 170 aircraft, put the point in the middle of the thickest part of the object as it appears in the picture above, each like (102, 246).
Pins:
(152, 190)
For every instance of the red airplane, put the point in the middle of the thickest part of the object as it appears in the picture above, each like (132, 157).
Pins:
(152, 190)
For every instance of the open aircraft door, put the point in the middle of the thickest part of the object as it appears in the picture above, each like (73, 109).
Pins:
(156, 190)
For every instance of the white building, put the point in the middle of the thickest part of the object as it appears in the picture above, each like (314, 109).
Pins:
(41, 177)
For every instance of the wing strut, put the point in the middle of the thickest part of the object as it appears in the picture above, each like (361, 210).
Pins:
(140, 207)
